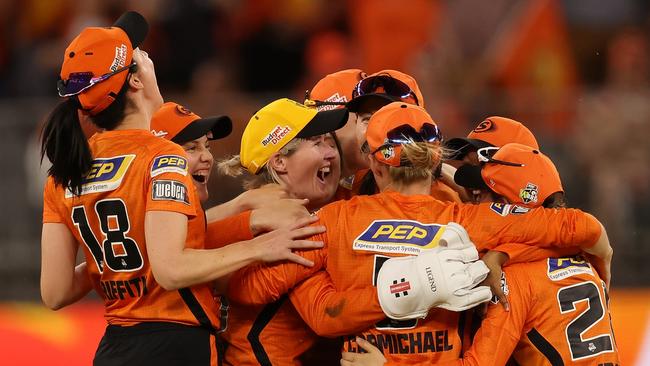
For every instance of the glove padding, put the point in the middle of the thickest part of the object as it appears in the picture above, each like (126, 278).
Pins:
(446, 277)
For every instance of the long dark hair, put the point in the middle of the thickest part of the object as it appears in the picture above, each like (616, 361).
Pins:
(65, 144)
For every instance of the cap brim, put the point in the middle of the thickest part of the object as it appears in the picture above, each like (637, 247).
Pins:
(219, 126)
(325, 122)
(460, 146)
(469, 176)
(134, 25)
(356, 103)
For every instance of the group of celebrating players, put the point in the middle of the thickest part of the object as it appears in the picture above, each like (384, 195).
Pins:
(359, 231)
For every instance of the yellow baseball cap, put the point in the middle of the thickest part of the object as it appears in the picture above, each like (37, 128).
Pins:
(279, 122)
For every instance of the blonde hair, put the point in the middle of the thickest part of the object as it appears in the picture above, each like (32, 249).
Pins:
(419, 161)
(232, 167)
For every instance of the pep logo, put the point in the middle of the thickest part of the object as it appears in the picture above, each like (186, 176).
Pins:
(169, 164)
(105, 174)
(398, 236)
(561, 268)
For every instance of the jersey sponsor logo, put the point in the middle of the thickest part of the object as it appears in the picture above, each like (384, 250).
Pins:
(160, 133)
(561, 268)
(504, 288)
(169, 164)
(500, 208)
(105, 174)
(398, 236)
(432, 341)
(518, 210)
(276, 135)
(169, 190)
(529, 193)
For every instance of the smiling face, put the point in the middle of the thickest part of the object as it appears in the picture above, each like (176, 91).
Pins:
(200, 163)
(312, 170)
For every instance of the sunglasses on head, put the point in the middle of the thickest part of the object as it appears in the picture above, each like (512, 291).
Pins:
(391, 87)
(485, 156)
(79, 81)
(406, 134)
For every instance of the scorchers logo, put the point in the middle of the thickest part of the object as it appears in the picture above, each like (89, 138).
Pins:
(276, 135)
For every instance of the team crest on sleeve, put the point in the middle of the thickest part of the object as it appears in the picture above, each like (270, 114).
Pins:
(169, 164)
(561, 268)
(105, 174)
(398, 236)
(169, 190)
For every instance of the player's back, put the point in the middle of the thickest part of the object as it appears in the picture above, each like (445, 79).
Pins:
(365, 232)
(568, 320)
(132, 172)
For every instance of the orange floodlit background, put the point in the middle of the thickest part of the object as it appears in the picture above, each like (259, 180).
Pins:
(576, 72)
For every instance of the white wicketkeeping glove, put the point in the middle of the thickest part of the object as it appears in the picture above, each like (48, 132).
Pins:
(446, 277)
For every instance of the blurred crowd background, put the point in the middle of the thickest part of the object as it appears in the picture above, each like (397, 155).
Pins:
(576, 72)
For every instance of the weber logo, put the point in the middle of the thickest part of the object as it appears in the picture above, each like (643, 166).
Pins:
(169, 190)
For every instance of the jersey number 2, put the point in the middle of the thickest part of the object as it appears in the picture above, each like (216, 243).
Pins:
(567, 298)
(114, 223)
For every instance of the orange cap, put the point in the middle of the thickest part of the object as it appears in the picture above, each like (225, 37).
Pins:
(359, 94)
(493, 131)
(97, 51)
(528, 185)
(336, 87)
(177, 123)
(390, 117)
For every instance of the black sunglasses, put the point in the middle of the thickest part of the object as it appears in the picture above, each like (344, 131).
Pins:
(80, 81)
(406, 134)
(392, 87)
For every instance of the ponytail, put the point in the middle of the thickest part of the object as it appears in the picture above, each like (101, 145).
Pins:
(65, 145)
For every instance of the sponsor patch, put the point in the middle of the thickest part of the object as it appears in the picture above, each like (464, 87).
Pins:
(160, 133)
(106, 174)
(169, 164)
(500, 208)
(335, 98)
(120, 57)
(504, 288)
(276, 135)
(561, 268)
(518, 210)
(398, 236)
(529, 193)
(400, 288)
(169, 190)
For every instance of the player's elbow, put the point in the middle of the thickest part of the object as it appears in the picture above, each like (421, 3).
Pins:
(53, 301)
(169, 282)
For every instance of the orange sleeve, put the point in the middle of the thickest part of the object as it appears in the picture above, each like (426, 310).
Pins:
(521, 253)
(332, 314)
(262, 284)
(229, 230)
(168, 182)
(541, 227)
(500, 331)
(443, 192)
(50, 213)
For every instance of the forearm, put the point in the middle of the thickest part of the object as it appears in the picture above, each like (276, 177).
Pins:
(231, 208)
(194, 266)
(332, 313)
(63, 293)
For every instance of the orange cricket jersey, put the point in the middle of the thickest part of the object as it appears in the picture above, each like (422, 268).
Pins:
(559, 315)
(364, 232)
(132, 172)
(271, 334)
